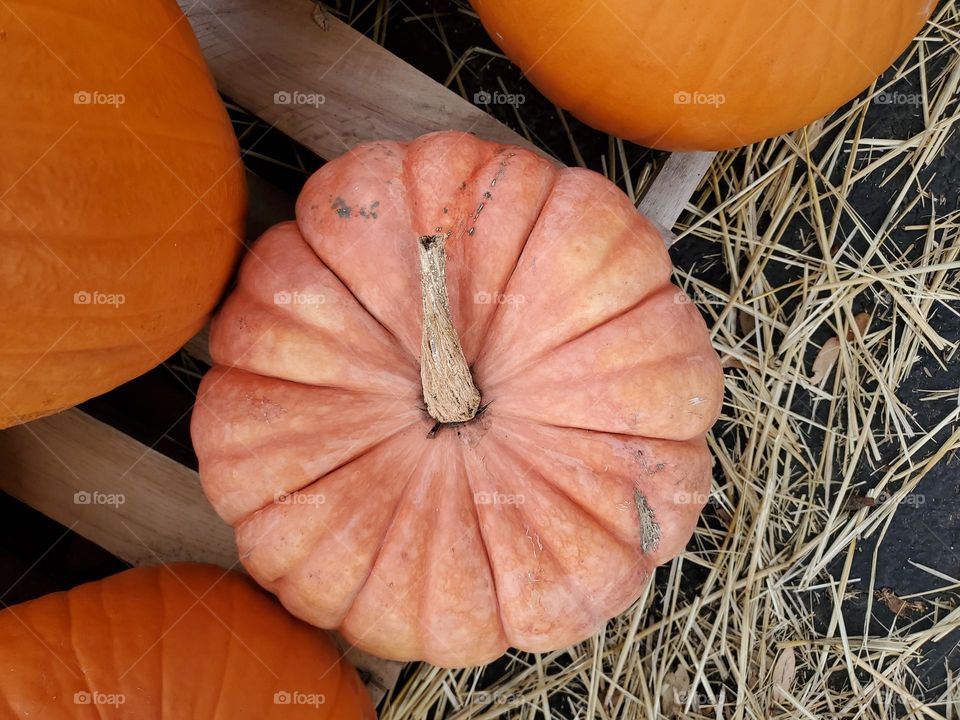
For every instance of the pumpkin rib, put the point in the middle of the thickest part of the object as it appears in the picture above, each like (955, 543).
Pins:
(379, 551)
(533, 361)
(341, 388)
(338, 276)
(250, 448)
(260, 305)
(668, 286)
(223, 673)
(574, 590)
(588, 512)
(483, 541)
(389, 332)
(499, 308)
(423, 596)
(627, 240)
(461, 236)
(634, 356)
(82, 663)
(356, 298)
(247, 449)
(342, 465)
(581, 428)
(161, 582)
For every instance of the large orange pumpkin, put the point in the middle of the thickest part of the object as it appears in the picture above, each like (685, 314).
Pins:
(121, 196)
(171, 643)
(458, 405)
(704, 74)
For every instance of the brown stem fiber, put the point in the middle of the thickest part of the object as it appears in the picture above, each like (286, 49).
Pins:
(448, 386)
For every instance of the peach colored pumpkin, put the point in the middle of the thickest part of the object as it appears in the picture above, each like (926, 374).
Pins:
(582, 468)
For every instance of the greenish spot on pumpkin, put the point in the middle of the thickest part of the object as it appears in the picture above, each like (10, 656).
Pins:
(340, 205)
(371, 213)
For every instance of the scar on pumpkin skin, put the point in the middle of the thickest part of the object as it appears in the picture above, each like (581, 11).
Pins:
(649, 529)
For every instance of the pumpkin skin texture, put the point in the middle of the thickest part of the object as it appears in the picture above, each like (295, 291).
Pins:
(178, 642)
(701, 74)
(122, 197)
(536, 521)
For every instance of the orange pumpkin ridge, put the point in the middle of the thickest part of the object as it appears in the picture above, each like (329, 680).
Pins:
(532, 523)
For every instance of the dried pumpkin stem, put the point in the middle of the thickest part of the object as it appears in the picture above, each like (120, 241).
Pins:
(448, 386)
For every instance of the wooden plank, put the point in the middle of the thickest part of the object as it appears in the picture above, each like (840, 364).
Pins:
(136, 503)
(275, 59)
(69, 466)
(671, 189)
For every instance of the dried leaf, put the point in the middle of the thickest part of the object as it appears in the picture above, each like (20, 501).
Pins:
(861, 326)
(746, 321)
(825, 360)
(897, 605)
(830, 352)
(321, 17)
(784, 673)
(674, 692)
(728, 361)
(858, 502)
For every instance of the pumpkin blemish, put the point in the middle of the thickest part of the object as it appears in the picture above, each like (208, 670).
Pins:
(649, 529)
(340, 205)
